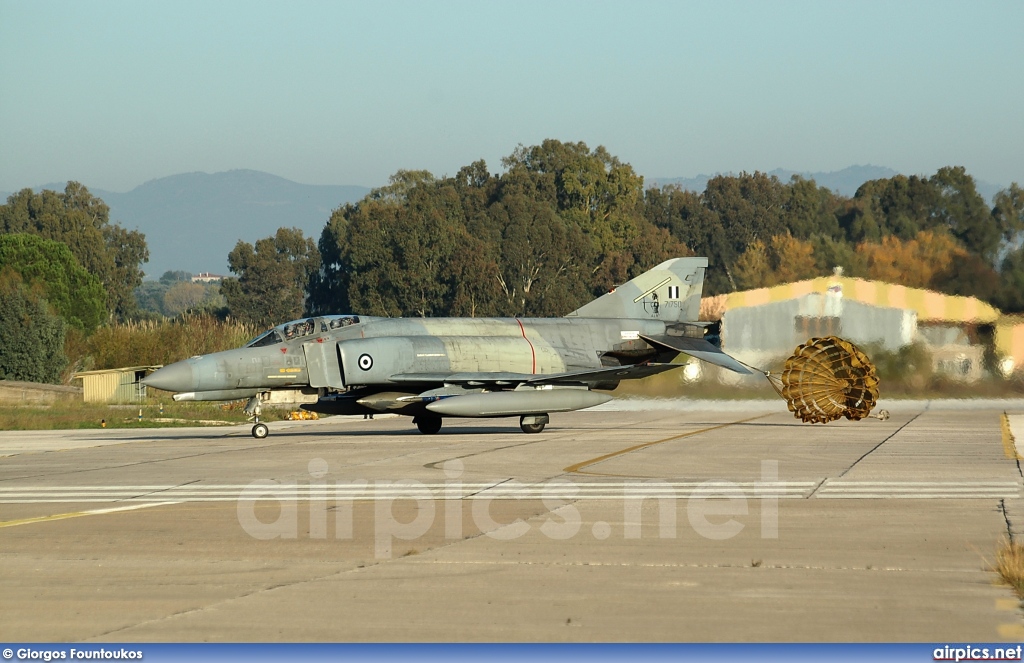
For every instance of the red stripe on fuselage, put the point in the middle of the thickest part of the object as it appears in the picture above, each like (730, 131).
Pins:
(533, 352)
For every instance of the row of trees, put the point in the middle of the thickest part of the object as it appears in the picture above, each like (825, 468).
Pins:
(565, 223)
(883, 232)
(561, 225)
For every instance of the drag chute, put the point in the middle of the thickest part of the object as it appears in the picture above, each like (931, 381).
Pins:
(826, 379)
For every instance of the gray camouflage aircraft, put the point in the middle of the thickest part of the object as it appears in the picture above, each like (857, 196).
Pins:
(430, 368)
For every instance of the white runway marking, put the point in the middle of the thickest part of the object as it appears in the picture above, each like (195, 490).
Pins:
(366, 491)
(919, 490)
(563, 490)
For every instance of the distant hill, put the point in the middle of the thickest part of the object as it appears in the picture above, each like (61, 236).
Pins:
(844, 182)
(193, 220)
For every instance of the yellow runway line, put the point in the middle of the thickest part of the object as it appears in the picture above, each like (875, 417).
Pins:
(79, 514)
(1009, 444)
(578, 467)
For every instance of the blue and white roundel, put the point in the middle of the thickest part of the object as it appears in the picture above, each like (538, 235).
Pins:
(365, 362)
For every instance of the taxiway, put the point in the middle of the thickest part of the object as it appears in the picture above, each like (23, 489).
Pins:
(631, 522)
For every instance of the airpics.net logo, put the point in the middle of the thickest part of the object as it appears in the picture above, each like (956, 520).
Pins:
(716, 510)
(971, 653)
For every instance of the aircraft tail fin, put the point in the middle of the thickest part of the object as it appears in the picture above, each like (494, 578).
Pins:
(670, 292)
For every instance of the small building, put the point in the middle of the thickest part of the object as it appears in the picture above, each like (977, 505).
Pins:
(115, 385)
(207, 277)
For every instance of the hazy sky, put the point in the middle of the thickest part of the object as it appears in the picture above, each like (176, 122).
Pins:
(117, 93)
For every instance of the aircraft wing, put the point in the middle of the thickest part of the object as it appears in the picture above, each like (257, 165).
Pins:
(699, 348)
(576, 378)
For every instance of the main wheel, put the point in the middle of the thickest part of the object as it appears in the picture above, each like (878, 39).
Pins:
(428, 425)
(260, 431)
(530, 428)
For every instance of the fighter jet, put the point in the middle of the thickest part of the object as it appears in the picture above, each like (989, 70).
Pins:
(431, 368)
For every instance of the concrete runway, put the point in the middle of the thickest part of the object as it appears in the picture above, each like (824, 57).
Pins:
(656, 522)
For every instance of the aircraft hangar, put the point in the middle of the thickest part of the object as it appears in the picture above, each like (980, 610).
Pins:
(963, 335)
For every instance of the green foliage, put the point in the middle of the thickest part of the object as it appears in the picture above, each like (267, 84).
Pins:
(328, 286)
(272, 277)
(81, 221)
(174, 294)
(900, 206)
(887, 216)
(565, 223)
(1011, 287)
(904, 206)
(562, 225)
(149, 298)
(421, 239)
(31, 335)
(734, 212)
(1008, 212)
(810, 211)
(830, 253)
(963, 211)
(72, 292)
(183, 296)
(170, 277)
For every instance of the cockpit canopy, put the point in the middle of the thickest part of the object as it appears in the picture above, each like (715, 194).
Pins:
(299, 328)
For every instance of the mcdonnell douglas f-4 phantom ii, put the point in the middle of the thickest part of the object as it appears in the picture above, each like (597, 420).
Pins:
(430, 368)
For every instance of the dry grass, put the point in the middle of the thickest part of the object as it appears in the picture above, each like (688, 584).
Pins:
(151, 342)
(90, 415)
(1010, 565)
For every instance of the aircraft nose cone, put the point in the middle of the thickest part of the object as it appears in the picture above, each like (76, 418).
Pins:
(176, 377)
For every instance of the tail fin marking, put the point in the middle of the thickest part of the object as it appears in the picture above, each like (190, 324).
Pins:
(670, 292)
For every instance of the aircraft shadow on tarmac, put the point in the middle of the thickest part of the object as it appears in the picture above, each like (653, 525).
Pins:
(446, 432)
(212, 435)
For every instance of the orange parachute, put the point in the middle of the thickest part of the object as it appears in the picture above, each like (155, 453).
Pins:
(828, 378)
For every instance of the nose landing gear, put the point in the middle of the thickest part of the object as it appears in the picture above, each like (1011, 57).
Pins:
(253, 409)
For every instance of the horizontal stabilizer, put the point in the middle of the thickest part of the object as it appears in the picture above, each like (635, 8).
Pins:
(699, 348)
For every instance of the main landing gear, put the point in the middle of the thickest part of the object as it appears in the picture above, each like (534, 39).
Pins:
(533, 423)
(429, 424)
(253, 409)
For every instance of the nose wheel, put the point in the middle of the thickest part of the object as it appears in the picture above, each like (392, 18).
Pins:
(253, 409)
